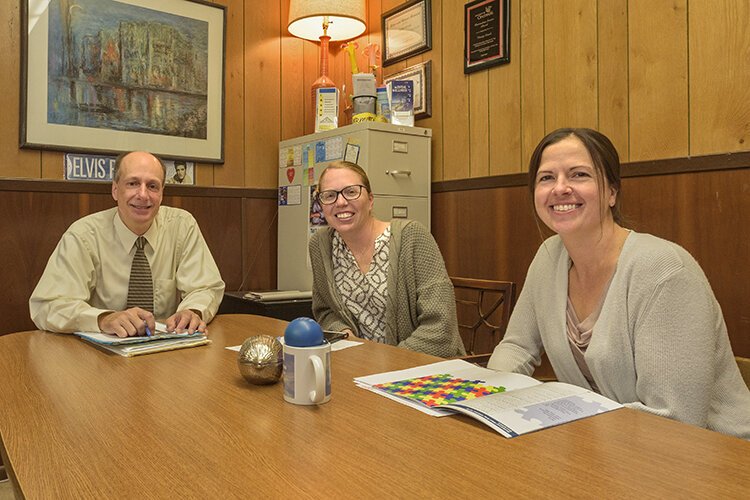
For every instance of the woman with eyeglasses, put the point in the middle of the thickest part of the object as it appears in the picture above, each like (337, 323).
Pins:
(382, 281)
(626, 314)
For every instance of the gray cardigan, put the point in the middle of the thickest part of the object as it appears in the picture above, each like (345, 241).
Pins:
(660, 344)
(421, 307)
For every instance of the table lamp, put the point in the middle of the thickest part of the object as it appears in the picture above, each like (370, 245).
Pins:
(326, 20)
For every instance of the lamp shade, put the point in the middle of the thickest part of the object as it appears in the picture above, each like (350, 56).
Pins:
(346, 18)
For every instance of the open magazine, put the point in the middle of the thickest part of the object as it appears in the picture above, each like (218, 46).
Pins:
(510, 403)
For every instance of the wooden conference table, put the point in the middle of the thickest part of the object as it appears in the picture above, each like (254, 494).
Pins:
(79, 422)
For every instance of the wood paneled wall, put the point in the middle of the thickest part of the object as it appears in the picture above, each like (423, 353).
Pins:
(664, 79)
(239, 226)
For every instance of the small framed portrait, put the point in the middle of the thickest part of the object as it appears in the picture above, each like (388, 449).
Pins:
(180, 172)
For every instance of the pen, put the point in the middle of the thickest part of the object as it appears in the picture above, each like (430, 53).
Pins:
(148, 330)
(332, 337)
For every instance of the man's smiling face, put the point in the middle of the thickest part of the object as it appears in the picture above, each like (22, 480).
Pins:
(138, 190)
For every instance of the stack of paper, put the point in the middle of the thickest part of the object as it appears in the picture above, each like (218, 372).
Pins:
(278, 295)
(162, 340)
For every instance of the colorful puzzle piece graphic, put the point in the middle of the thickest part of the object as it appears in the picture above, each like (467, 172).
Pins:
(441, 389)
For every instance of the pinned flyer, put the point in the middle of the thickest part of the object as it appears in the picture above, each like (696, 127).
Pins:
(401, 101)
(326, 109)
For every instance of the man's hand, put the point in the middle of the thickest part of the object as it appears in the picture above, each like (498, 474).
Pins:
(187, 319)
(128, 323)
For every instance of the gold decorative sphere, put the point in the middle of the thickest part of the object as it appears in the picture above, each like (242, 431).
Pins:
(261, 359)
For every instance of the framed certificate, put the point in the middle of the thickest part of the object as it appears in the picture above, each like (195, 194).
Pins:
(407, 31)
(486, 34)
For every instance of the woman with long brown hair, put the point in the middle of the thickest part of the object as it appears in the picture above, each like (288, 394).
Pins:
(627, 314)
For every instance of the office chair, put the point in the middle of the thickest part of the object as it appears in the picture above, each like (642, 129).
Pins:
(483, 308)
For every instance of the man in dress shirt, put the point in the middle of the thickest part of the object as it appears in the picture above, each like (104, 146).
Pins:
(85, 284)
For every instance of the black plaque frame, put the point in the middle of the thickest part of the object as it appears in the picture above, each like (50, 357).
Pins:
(486, 34)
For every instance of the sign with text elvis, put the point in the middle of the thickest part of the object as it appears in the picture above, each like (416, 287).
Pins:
(89, 167)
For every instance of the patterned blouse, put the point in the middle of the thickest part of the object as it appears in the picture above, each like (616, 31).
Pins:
(363, 294)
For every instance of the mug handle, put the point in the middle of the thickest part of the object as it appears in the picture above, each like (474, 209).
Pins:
(319, 393)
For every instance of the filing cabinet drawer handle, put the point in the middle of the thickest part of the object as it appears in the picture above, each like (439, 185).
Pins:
(398, 172)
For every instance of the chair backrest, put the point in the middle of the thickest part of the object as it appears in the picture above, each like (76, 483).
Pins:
(744, 364)
(483, 308)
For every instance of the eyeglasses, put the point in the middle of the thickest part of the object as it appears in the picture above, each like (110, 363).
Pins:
(350, 193)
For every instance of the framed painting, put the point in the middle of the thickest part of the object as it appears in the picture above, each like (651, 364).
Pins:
(486, 35)
(421, 75)
(407, 31)
(119, 75)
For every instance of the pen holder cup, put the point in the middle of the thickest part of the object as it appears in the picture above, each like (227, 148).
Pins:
(307, 374)
(363, 104)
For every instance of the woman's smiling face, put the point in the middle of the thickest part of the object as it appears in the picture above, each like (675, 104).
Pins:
(567, 197)
(346, 215)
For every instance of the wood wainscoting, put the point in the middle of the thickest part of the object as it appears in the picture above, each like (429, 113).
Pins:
(490, 233)
(239, 225)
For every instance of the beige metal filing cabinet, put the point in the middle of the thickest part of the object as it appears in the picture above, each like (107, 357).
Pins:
(397, 160)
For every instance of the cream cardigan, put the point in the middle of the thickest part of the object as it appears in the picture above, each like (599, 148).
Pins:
(660, 344)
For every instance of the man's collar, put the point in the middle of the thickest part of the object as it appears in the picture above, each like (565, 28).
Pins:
(127, 237)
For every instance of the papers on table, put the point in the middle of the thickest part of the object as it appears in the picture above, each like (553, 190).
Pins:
(149, 347)
(509, 403)
(456, 367)
(277, 295)
(111, 339)
(339, 345)
(161, 340)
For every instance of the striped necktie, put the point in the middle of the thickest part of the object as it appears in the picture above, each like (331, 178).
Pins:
(141, 286)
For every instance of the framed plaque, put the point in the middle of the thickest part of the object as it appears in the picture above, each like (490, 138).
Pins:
(486, 34)
(421, 75)
(407, 31)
